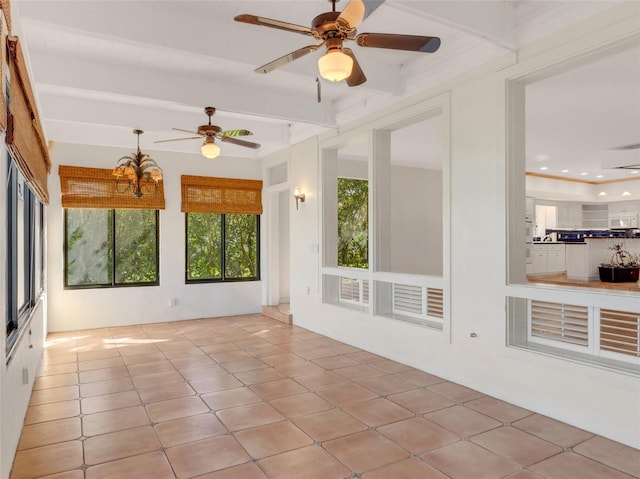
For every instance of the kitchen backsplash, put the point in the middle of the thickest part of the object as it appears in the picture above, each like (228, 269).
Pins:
(578, 235)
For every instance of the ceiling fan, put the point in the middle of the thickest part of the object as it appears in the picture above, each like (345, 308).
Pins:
(210, 132)
(332, 29)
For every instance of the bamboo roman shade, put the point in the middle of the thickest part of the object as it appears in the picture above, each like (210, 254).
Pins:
(96, 188)
(25, 138)
(3, 61)
(205, 194)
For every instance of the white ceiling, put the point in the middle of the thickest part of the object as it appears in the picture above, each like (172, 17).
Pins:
(102, 68)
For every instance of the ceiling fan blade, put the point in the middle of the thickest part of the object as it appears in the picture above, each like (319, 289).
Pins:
(180, 139)
(236, 141)
(288, 58)
(357, 76)
(356, 11)
(414, 43)
(236, 133)
(186, 131)
(268, 22)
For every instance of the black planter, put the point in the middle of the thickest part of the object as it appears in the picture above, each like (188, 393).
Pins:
(611, 274)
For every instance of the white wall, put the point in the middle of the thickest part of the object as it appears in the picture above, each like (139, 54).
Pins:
(589, 397)
(552, 189)
(95, 308)
(416, 221)
(283, 245)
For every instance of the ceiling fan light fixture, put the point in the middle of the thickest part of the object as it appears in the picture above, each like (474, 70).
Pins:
(335, 65)
(209, 148)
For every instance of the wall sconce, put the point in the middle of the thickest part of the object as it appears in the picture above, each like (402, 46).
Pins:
(298, 196)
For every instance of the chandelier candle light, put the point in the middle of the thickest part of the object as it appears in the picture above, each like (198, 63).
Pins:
(137, 172)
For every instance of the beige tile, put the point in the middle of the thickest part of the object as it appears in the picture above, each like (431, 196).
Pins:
(300, 405)
(464, 460)
(361, 371)
(142, 369)
(346, 393)
(323, 379)
(147, 466)
(231, 355)
(421, 401)
(51, 432)
(552, 430)
(365, 451)
(524, 475)
(462, 421)
(516, 445)
(272, 439)
(150, 357)
(316, 353)
(194, 373)
(569, 465)
(244, 365)
(55, 381)
(377, 412)
(389, 366)
(257, 376)
(420, 378)
(385, 385)
(193, 362)
(455, 392)
(104, 374)
(166, 391)
(75, 474)
(107, 402)
(98, 354)
(51, 357)
(106, 387)
(218, 382)
(45, 396)
(243, 471)
(299, 368)
(120, 444)
(157, 379)
(330, 424)
(311, 462)
(364, 357)
(613, 454)
(52, 411)
(407, 469)
(189, 429)
(196, 458)
(417, 435)
(251, 415)
(218, 347)
(498, 410)
(335, 362)
(262, 351)
(100, 363)
(51, 369)
(176, 408)
(47, 460)
(116, 420)
(283, 358)
(230, 398)
(277, 389)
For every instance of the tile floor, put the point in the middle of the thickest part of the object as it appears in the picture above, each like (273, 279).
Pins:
(249, 397)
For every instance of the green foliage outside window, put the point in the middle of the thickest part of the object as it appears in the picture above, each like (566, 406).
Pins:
(222, 247)
(110, 247)
(353, 223)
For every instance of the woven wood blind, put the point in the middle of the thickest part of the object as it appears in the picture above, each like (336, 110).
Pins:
(205, 194)
(96, 188)
(24, 133)
(3, 60)
(4, 5)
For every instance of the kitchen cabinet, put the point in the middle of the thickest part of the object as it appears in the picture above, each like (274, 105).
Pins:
(569, 214)
(595, 215)
(583, 259)
(624, 208)
(548, 258)
(529, 209)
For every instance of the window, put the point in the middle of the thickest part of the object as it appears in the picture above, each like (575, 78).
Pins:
(24, 250)
(222, 247)
(111, 247)
(353, 223)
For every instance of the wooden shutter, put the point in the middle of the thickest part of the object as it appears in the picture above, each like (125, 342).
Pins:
(206, 194)
(24, 133)
(620, 332)
(560, 322)
(96, 188)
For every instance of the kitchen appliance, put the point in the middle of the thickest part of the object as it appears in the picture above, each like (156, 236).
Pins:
(623, 221)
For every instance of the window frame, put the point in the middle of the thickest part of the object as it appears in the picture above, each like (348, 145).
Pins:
(114, 283)
(223, 235)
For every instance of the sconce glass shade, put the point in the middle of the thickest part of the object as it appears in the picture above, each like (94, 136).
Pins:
(335, 65)
(209, 148)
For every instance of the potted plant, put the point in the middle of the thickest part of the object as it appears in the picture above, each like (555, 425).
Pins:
(622, 267)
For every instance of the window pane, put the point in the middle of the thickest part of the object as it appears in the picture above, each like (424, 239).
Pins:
(136, 246)
(204, 239)
(21, 224)
(241, 237)
(88, 246)
(353, 223)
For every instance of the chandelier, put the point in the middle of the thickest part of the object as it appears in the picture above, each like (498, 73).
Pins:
(137, 172)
